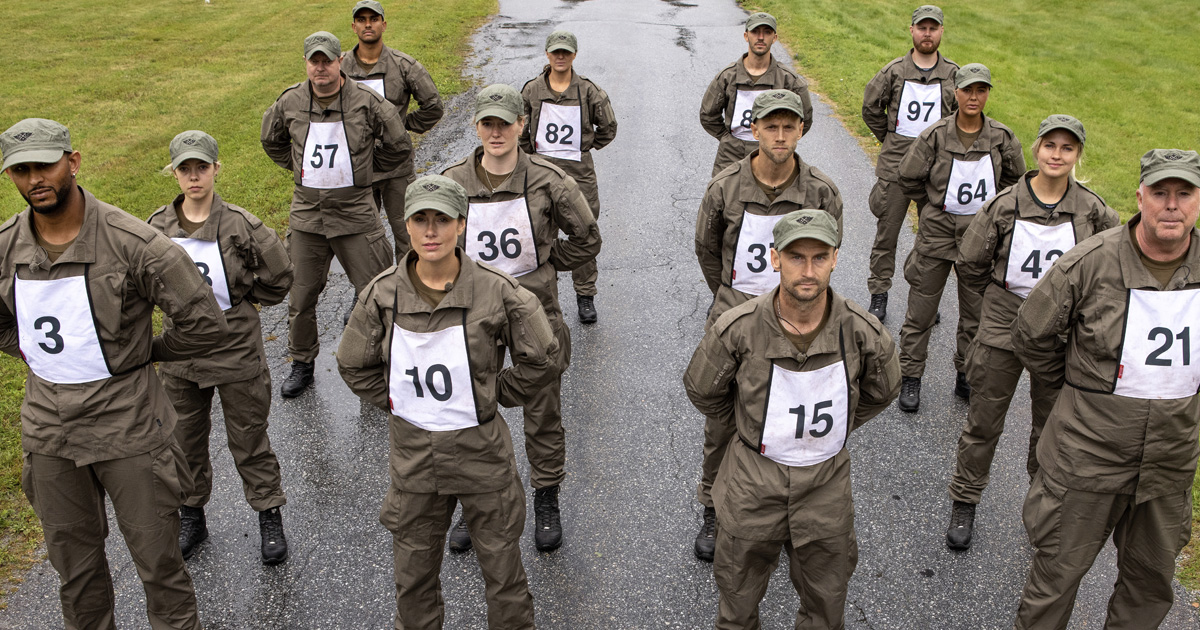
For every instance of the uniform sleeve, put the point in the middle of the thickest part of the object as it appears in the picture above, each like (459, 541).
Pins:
(574, 218)
(1012, 160)
(708, 379)
(710, 227)
(1106, 218)
(167, 277)
(801, 90)
(393, 146)
(1042, 319)
(8, 332)
(976, 254)
(879, 383)
(272, 268)
(603, 117)
(831, 202)
(876, 100)
(915, 165)
(526, 139)
(425, 91)
(532, 346)
(276, 140)
(712, 108)
(360, 353)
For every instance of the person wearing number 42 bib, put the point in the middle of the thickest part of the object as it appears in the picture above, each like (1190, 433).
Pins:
(957, 165)
(426, 343)
(796, 370)
(333, 133)
(1118, 454)
(569, 116)
(734, 237)
(1012, 242)
(518, 205)
(246, 265)
(79, 282)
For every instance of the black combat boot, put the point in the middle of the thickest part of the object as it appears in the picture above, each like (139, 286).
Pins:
(587, 308)
(706, 540)
(274, 543)
(962, 524)
(962, 388)
(910, 393)
(460, 537)
(296, 382)
(193, 530)
(878, 306)
(547, 535)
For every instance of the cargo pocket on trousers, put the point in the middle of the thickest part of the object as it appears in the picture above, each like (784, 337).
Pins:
(1042, 514)
(27, 482)
(381, 250)
(877, 200)
(171, 480)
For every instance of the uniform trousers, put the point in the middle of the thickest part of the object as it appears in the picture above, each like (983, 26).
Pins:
(926, 278)
(1068, 527)
(889, 205)
(418, 522)
(545, 439)
(363, 256)
(246, 405)
(146, 491)
(718, 434)
(584, 172)
(993, 374)
(389, 195)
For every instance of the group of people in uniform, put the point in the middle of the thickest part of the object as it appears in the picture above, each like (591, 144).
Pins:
(1049, 282)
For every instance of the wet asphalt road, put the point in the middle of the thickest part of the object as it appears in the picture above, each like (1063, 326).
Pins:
(633, 439)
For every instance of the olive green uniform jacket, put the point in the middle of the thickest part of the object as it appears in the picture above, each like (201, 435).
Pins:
(597, 118)
(881, 106)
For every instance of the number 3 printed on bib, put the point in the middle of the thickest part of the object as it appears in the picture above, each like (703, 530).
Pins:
(807, 415)
(56, 331)
(1159, 352)
(429, 379)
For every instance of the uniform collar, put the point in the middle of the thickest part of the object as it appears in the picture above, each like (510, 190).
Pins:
(207, 232)
(514, 184)
(952, 143)
(459, 296)
(1135, 275)
(1029, 208)
(351, 58)
(826, 342)
(83, 250)
(545, 82)
(749, 192)
(741, 75)
(336, 104)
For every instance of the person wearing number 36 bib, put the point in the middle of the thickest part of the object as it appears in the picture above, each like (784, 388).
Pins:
(957, 164)
(1117, 457)
(426, 343)
(795, 370)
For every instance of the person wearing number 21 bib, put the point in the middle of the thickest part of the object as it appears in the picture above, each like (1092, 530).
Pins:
(734, 239)
(957, 164)
(426, 343)
(79, 281)
(1118, 454)
(334, 134)
(1012, 242)
(518, 205)
(569, 116)
(246, 265)
(795, 370)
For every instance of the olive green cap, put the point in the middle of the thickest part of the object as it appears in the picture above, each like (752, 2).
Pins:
(370, 5)
(322, 41)
(814, 224)
(972, 73)
(500, 100)
(193, 145)
(928, 12)
(435, 192)
(775, 100)
(760, 19)
(1160, 164)
(561, 40)
(1063, 121)
(34, 140)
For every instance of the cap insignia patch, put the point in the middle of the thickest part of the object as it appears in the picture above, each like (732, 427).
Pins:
(23, 136)
(431, 187)
(496, 98)
(804, 220)
(1172, 155)
(777, 95)
(189, 141)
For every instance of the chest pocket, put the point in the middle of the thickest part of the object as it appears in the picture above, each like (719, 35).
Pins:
(56, 330)
(559, 132)
(971, 185)
(429, 383)
(1033, 251)
(739, 122)
(208, 259)
(752, 271)
(1158, 355)
(920, 106)
(500, 233)
(807, 415)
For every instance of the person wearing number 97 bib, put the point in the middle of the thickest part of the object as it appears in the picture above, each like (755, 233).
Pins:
(426, 343)
(1118, 454)
(957, 165)
(796, 370)
(79, 281)
(1012, 242)
(246, 264)
(518, 205)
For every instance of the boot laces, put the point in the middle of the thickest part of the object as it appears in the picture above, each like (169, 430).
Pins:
(963, 515)
(272, 526)
(545, 508)
(709, 528)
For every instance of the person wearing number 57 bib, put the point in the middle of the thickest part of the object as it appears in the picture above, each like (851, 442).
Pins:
(568, 117)
(957, 165)
(518, 205)
(333, 133)
(246, 265)
(426, 343)
(79, 282)
(1117, 456)
(795, 370)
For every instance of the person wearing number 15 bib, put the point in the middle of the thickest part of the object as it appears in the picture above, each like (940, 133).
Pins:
(426, 343)
(795, 370)
(957, 164)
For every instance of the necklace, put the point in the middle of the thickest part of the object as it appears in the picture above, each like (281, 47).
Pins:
(784, 320)
(492, 185)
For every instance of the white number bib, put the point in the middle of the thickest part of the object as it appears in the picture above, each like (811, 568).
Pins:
(1033, 251)
(207, 256)
(326, 161)
(807, 415)
(429, 383)
(500, 234)
(971, 185)
(920, 106)
(743, 105)
(374, 84)
(56, 331)
(558, 134)
(1159, 357)
(752, 270)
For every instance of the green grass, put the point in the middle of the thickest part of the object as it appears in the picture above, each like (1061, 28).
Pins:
(125, 77)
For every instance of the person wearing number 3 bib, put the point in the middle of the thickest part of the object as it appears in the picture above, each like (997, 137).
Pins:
(1011, 244)
(796, 370)
(957, 164)
(426, 343)
(1118, 454)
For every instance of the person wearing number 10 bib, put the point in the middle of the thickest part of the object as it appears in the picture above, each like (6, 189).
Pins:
(426, 343)
(957, 165)
(1117, 457)
(795, 370)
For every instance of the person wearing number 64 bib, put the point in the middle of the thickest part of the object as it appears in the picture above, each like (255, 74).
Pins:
(1118, 454)
(957, 165)
(426, 343)
(795, 370)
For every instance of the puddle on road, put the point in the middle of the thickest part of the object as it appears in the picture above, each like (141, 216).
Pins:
(680, 4)
(684, 38)
(524, 25)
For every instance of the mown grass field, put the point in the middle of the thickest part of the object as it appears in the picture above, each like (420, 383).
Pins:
(125, 77)
(1126, 70)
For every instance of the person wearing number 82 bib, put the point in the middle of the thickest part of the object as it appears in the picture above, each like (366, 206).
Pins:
(426, 343)
(1118, 454)
(795, 370)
